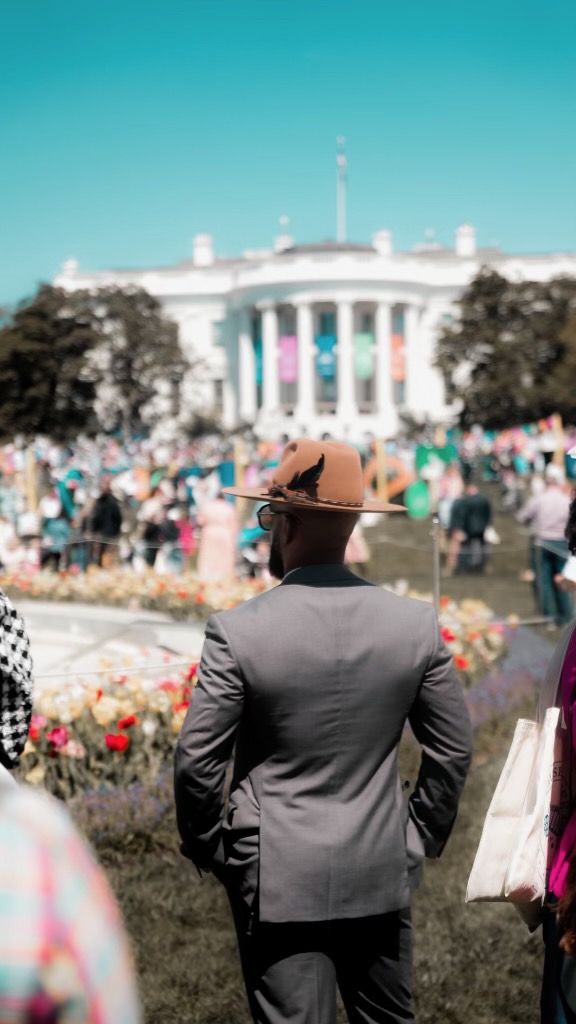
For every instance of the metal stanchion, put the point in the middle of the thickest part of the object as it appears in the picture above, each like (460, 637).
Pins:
(436, 561)
(539, 576)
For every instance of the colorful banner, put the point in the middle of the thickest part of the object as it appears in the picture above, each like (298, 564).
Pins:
(288, 359)
(364, 356)
(326, 356)
(259, 360)
(397, 358)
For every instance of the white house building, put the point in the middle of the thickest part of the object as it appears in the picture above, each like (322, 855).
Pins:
(333, 336)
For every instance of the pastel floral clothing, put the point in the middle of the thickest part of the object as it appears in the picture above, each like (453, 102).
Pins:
(64, 958)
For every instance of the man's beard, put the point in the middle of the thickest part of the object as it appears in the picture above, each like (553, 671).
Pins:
(275, 561)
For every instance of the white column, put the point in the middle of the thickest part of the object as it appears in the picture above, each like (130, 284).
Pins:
(305, 406)
(385, 407)
(413, 400)
(271, 384)
(347, 409)
(247, 368)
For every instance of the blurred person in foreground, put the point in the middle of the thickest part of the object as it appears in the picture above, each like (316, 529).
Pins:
(63, 955)
(314, 682)
(546, 514)
(558, 1000)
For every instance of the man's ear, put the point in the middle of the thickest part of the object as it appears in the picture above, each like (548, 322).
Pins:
(290, 527)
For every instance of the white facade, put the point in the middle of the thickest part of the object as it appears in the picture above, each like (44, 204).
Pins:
(330, 337)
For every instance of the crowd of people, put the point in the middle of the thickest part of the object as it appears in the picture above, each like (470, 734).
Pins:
(147, 506)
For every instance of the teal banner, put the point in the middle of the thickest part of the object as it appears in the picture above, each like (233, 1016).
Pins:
(326, 356)
(258, 358)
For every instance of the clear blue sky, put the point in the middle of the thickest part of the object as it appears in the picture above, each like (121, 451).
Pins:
(128, 125)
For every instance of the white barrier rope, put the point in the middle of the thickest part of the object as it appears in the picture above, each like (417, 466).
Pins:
(122, 670)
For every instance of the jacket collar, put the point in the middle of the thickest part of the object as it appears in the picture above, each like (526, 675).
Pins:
(319, 574)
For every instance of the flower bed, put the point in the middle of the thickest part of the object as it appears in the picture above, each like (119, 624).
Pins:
(185, 597)
(115, 732)
(119, 729)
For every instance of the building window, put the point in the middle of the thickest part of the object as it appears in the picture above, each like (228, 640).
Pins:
(218, 333)
(327, 323)
(219, 396)
(399, 392)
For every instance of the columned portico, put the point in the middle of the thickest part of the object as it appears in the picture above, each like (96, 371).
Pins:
(305, 408)
(271, 384)
(247, 368)
(346, 409)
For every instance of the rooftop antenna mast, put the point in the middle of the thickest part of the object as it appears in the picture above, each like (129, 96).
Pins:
(341, 189)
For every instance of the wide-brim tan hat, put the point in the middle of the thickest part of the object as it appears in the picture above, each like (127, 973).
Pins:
(317, 474)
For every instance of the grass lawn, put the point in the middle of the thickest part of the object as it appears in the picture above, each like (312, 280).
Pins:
(473, 964)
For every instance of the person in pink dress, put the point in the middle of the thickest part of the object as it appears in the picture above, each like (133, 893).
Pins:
(218, 521)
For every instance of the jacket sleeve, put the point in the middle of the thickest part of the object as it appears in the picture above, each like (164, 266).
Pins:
(205, 746)
(441, 724)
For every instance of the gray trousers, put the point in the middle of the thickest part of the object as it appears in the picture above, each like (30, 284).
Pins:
(292, 971)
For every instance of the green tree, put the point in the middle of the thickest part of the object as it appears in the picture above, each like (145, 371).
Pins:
(502, 355)
(137, 358)
(46, 383)
(561, 384)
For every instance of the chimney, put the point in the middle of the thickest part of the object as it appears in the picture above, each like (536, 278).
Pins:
(283, 242)
(203, 251)
(465, 244)
(382, 242)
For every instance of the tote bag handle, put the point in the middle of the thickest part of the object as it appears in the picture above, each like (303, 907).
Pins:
(551, 685)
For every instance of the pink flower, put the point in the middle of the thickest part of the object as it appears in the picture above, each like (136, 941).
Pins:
(74, 749)
(39, 721)
(58, 736)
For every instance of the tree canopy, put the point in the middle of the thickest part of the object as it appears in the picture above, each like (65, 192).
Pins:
(138, 349)
(81, 362)
(47, 387)
(507, 356)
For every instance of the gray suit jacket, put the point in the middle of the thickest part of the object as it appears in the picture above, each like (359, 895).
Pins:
(314, 681)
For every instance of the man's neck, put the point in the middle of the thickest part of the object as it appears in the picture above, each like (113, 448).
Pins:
(306, 561)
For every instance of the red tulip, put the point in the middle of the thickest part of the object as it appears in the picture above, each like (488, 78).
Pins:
(182, 705)
(461, 662)
(126, 722)
(116, 741)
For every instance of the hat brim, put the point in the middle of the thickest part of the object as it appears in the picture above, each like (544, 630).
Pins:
(259, 494)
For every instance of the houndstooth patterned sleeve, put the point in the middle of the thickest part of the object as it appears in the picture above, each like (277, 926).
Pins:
(15, 683)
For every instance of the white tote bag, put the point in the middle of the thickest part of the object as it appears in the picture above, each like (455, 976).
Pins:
(513, 859)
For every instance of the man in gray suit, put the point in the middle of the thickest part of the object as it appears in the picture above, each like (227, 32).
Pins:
(313, 682)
